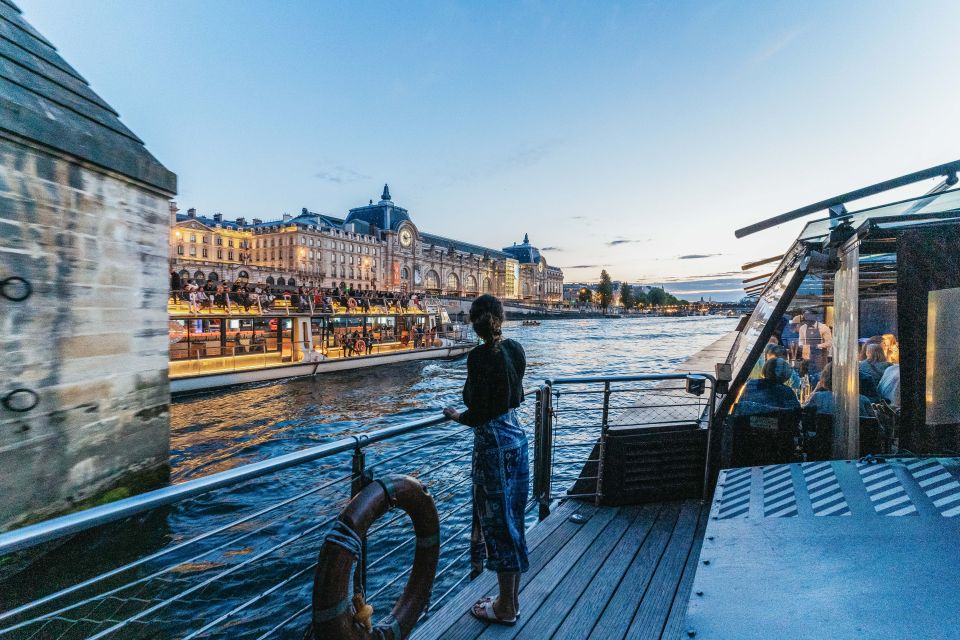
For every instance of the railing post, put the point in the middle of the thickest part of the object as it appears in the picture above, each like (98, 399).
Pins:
(538, 450)
(543, 450)
(706, 463)
(357, 483)
(603, 439)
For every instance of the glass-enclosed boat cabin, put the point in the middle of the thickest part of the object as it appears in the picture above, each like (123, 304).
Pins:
(210, 343)
(854, 345)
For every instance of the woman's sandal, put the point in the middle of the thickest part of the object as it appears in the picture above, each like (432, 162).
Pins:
(483, 610)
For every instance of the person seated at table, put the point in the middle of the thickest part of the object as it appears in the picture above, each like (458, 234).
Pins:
(770, 394)
(783, 353)
(872, 367)
(822, 398)
(889, 385)
(769, 352)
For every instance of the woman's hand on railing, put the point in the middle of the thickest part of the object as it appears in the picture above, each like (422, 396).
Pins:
(452, 413)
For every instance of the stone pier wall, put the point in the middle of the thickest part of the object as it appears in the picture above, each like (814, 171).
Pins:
(91, 339)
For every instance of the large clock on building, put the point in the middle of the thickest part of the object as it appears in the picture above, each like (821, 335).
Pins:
(540, 266)
(406, 237)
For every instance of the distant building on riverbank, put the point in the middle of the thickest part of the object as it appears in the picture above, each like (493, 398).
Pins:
(376, 246)
(84, 397)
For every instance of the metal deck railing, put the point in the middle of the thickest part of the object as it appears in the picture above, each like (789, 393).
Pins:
(569, 416)
(187, 561)
(215, 570)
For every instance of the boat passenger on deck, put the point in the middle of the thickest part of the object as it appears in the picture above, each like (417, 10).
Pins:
(492, 392)
(822, 398)
(815, 340)
(889, 385)
(770, 394)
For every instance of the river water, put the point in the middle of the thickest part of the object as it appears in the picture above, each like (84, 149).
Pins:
(264, 564)
(219, 431)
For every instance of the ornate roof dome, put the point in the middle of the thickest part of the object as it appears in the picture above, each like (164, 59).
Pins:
(383, 215)
(524, 253)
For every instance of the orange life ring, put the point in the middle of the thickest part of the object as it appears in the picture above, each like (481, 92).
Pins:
(351, 303)
(360, 346)
(334, 615)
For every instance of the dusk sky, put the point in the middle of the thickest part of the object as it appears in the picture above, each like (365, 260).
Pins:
(633, 137)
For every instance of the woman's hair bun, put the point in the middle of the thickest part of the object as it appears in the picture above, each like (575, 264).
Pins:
(486, 315)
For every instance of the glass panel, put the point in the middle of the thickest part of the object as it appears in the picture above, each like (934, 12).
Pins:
(746, 349)
(943, 357)
(178, 339)
(846, 363)
(937, 203)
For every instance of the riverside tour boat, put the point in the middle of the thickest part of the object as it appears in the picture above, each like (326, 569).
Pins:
(229, 339)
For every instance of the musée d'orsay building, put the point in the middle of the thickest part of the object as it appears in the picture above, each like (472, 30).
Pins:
(376, 246)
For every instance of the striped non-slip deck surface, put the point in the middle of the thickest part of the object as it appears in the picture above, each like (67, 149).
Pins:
(895, 487)
(837, 549)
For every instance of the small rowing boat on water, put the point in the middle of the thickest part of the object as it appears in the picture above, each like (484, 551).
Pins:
(530, 323)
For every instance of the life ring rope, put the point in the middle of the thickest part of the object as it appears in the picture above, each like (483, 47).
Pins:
(342, 535)
(349, 618)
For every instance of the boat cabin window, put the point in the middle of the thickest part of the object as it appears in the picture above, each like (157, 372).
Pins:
(867, 345)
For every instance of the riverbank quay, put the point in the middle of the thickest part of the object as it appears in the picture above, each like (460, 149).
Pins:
(84, 398)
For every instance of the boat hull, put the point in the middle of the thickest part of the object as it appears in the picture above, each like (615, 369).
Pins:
(205, 382)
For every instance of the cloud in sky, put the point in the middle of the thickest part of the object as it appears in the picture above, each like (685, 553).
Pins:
(619, 241)
(518, 158)
(339, 174)
(551, 249)
(578, 217)
(697, 256)
(585, 266)
(777, 46)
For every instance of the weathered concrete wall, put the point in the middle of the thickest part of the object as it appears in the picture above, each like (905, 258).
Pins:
(91, 341)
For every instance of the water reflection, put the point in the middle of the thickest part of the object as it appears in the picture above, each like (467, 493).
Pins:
(217, 431)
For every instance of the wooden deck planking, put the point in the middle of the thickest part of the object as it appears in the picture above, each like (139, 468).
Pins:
(654, 609)
(543, 541)
(583, 615)
(675, 626)
(626, 572)
(552, 612)
(536, 591)
(618, 614)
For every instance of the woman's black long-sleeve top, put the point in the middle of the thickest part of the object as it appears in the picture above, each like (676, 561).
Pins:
(494, 381)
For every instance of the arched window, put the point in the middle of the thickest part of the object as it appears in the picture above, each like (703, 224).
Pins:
(487, 285)
(526, 289)
(213, 277)
(431, 280)
(270, 280)
(291, 282)
(198, 276)
(281, 282)
(184, 275)
(471, 284)
(243, 274)
(453, 282)
(405, 273)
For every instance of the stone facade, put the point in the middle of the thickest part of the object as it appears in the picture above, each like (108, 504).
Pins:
(377, 246)
(84, 396)
(91, 339)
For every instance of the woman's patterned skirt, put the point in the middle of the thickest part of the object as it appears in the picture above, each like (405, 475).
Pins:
(501, 485)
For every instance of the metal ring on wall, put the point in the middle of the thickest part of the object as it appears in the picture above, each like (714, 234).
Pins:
(10, 402)
(13, 280)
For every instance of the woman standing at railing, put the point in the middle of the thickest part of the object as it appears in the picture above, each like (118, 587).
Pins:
(501, 481)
